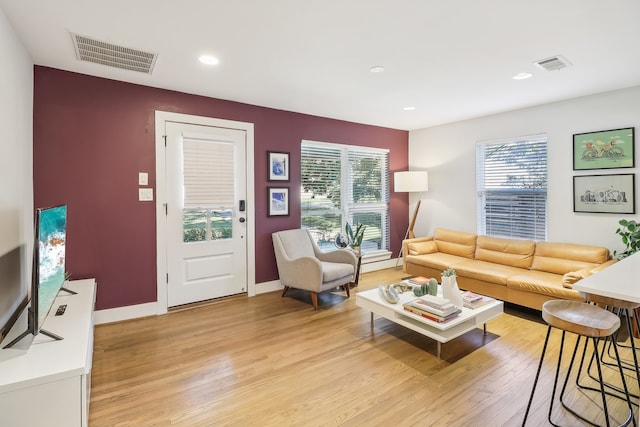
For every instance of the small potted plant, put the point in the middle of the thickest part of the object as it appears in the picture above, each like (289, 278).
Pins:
(450, 289)
(355, 236)
(449, 272)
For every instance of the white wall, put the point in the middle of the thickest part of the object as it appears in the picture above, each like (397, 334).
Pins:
(16, 148)
(448, 153)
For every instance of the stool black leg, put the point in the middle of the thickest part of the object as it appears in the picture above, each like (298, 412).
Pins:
(555, 379)
(535, 381)
(573, 358)
(629, 314)
(602, 393)
(566, 380)
(601, 390)
(631, 366)
(595, 356)
(608, 344)
(631, 418)
(589, 368)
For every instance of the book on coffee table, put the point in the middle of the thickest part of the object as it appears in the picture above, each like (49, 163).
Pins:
(483, 300)
(431, 307)
(468, 296)
(421, 311)
(418, 280)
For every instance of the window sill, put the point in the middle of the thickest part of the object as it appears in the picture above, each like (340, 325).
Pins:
(376, 256)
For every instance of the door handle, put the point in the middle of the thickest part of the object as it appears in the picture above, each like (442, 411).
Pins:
(242, 219)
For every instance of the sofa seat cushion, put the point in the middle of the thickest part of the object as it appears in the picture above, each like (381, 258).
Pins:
(438, 260)
(486, 271)
(540, 282)
(512, 252)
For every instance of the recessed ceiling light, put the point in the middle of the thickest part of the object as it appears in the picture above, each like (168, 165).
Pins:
(376, 69)
(409, 108)
(209, 60)
(522, 76)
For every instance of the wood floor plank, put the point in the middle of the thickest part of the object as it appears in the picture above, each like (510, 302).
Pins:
(273, 361)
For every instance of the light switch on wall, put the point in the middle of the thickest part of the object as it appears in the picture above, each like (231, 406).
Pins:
(143, 178)
(145, 194)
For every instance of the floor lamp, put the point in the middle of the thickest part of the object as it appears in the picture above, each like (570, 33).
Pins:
(410, 182)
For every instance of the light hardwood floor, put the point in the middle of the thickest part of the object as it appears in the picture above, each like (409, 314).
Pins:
(272, 361)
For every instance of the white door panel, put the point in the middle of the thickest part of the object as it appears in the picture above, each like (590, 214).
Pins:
(206, 231)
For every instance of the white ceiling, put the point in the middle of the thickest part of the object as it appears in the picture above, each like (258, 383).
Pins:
(451, 60)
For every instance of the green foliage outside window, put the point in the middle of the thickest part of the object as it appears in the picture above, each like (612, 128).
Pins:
(200, 225)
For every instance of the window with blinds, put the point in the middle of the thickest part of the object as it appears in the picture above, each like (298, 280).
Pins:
(511, 180)
(208, 189)
(344, 183)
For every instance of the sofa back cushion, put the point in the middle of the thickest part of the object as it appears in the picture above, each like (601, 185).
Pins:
(511, 252)
(455, 242)
(561, 258)
(420, 248)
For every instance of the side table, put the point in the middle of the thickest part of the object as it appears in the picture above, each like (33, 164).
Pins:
(357, 275)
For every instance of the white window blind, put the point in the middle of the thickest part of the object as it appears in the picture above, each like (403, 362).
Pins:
(320, 172)
(344, 183)
(369, 175)
(208, 173)
(511, 179)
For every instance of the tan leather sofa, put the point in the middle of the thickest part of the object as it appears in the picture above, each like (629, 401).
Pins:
(522, 272)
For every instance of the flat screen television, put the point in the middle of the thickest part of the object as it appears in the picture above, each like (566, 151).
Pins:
(48, 274)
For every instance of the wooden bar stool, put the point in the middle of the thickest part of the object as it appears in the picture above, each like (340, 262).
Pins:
(627, 310)
(584, 320)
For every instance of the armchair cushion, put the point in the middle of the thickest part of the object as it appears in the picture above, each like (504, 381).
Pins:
(335, 270)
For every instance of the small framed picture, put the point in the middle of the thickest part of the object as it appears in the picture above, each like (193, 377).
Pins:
(278, 199)
(606, 149)
(278, 166)
(604, 193)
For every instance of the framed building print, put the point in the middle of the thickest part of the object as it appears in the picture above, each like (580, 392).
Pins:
(604, 193)
(278, 199)
(278, 166)
(605, 149)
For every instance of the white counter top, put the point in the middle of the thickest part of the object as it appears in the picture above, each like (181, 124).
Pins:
(620, 280)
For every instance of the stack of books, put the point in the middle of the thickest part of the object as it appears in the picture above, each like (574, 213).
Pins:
(473, 300)
(433, 308)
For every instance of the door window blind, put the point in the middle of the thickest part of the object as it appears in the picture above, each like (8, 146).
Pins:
(208, 173)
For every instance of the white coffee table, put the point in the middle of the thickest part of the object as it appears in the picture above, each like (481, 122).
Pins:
(443, 332)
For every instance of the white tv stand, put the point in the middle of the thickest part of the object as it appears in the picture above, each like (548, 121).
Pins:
(49, 382)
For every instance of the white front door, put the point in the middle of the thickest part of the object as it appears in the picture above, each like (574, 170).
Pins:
(206, 221)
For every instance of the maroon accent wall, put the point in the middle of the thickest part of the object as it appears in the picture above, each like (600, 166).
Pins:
(91, 138)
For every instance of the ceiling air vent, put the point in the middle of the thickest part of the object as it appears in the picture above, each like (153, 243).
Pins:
(554, 63)
(112, 55)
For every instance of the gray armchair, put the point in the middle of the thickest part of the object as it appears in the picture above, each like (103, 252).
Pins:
(302, 265)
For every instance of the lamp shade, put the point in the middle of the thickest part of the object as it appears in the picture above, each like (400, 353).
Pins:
(411, 181)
